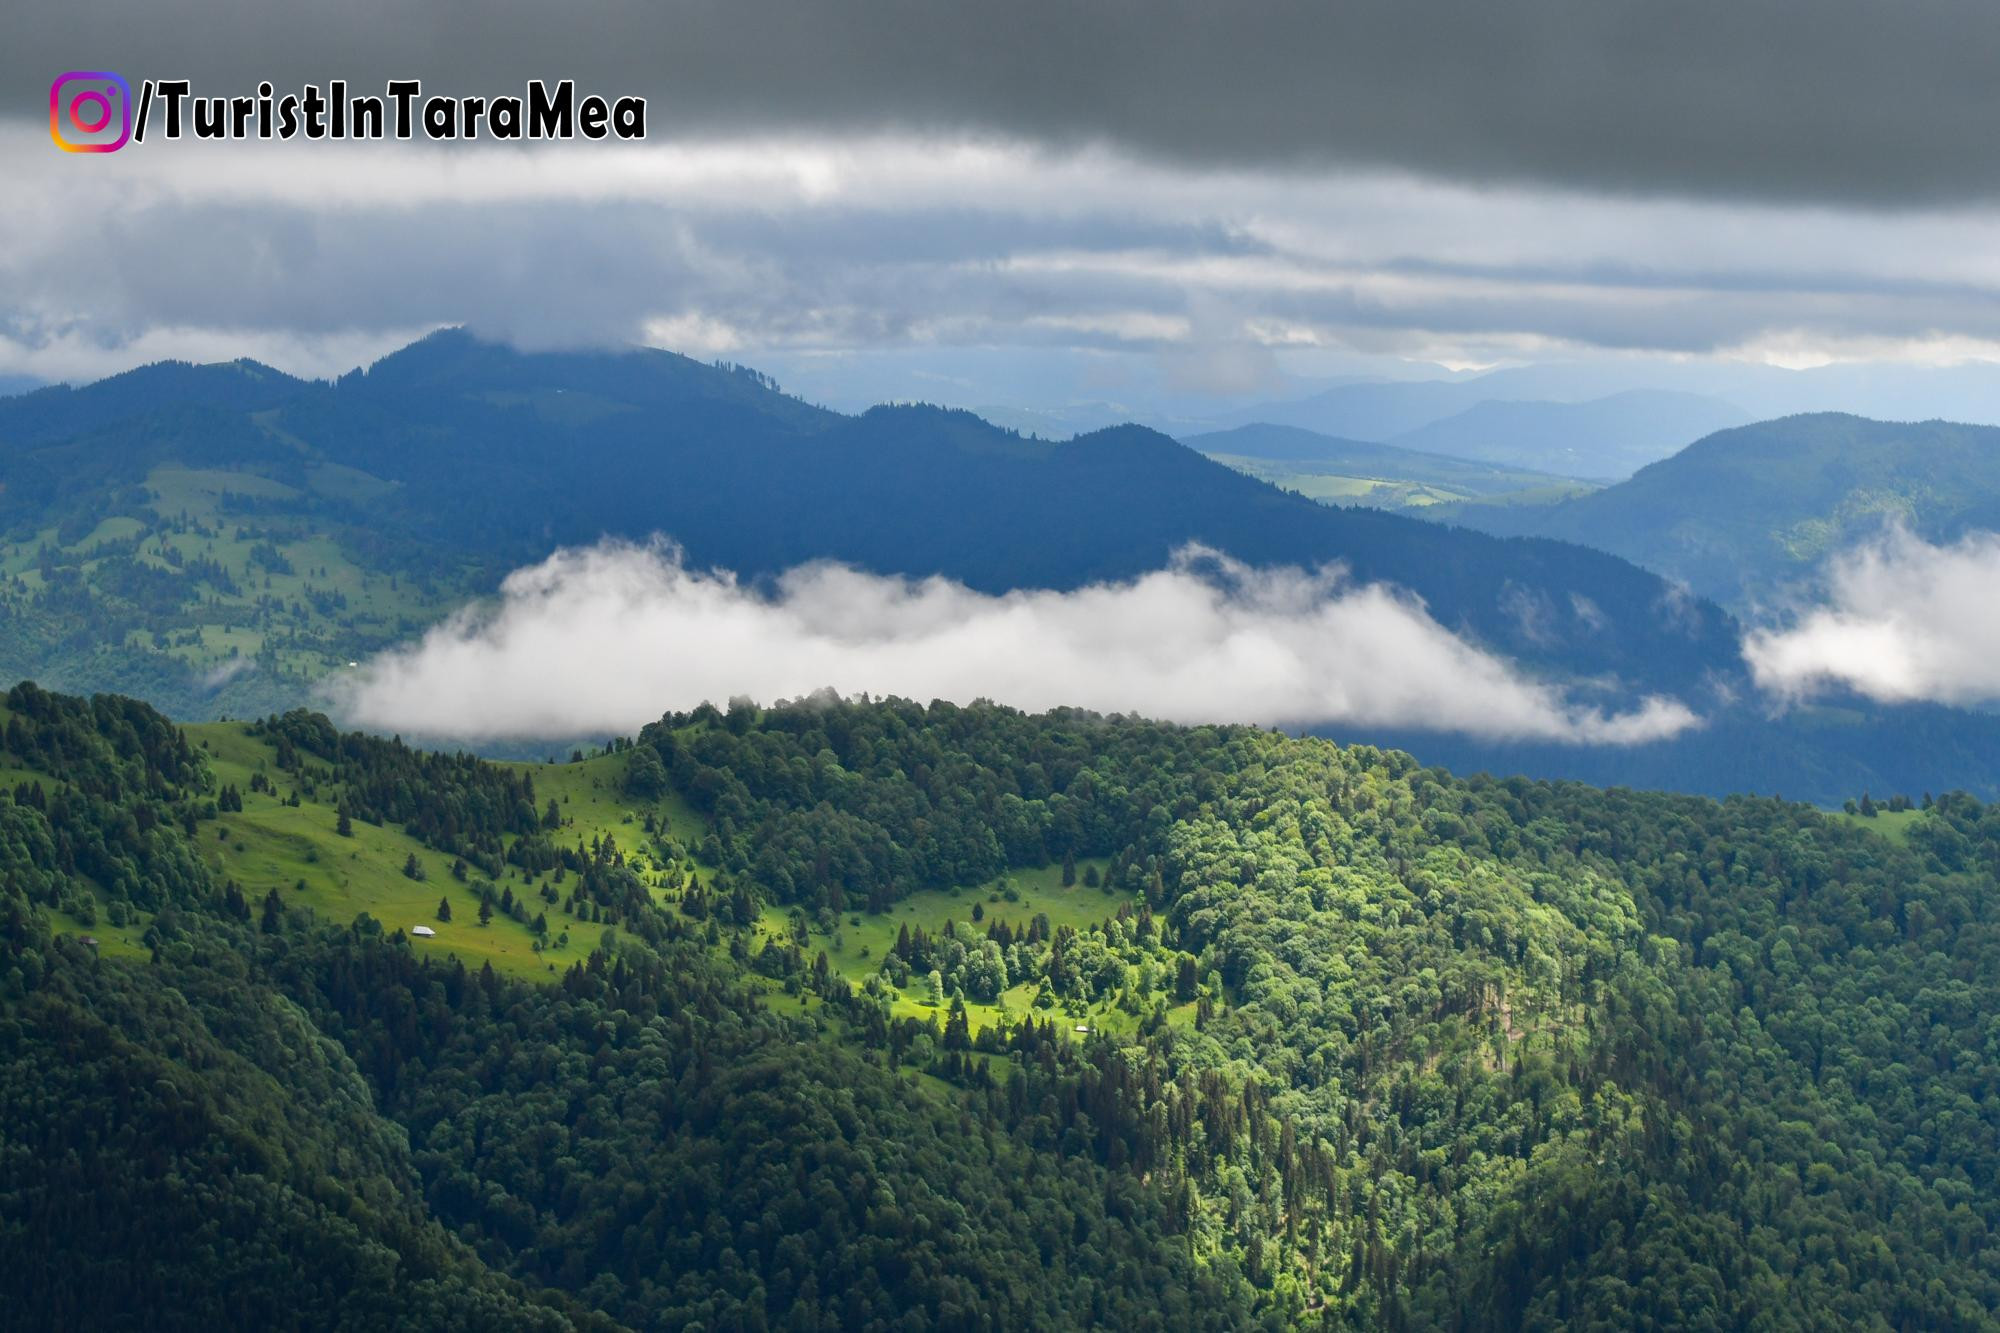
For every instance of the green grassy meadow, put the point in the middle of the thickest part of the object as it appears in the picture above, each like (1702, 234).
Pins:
(856, 949)
(1895, 825)
(296, 850)
(273, 845)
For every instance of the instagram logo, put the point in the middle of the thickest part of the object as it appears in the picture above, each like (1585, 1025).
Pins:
(90, 112)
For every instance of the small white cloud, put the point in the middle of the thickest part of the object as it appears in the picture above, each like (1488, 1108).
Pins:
(223, 672)
(1905, 620)
(693, 334)
(611, 636)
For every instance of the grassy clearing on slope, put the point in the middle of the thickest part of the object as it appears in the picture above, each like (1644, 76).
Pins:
(589, 797)
(123, 942)
(297, 851)
(856, 951)
(273, 845)
(1895, 825)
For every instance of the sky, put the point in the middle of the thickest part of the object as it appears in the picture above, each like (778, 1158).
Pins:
(1166, 209)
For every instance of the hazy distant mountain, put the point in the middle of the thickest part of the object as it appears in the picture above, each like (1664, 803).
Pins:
(1605, 438)
(13, 384)
(1295, 444)
(1372, 410)
(1073, 419)
(1384, 407)
(1386, 476)
(1515, 418)
(1742, 512)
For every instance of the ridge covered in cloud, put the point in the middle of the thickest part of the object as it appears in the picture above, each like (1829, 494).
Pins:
(1905, 620)
(609, 637)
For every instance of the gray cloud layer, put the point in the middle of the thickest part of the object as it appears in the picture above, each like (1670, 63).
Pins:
(316, 257)
(1868, 101)
(608, 638)
(1905, 620)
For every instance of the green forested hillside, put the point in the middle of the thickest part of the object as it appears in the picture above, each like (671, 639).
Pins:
(1604, 438)
(215, 538)
(1743, 513)
(1154, 1027)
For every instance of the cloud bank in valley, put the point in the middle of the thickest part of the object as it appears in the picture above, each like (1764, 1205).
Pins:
(609, 637)
(1905, 620)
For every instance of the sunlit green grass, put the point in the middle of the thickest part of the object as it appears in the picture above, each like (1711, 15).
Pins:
(1895, 825)
(272, 845)
(856, 951)
(298, 852)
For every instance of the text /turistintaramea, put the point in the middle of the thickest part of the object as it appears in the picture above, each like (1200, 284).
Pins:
(401, 112)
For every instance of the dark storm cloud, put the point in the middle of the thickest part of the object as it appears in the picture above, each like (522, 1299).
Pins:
(1844, 100)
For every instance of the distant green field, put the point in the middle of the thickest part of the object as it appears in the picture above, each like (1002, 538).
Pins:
(1337, 485)
(263, 601)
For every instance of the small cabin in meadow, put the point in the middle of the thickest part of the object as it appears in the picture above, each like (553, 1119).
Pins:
(422, 932)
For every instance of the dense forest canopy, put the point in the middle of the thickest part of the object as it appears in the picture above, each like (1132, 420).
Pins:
(1156, 1026)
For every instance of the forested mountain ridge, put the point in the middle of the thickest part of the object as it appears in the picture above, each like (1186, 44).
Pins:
(1743, 515)
(1603, 439)
(217, 539)
(1368, 1045)
(454, 460)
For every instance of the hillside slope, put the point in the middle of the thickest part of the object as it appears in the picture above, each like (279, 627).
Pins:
(1603, 438)
(1744, 513)
(1152, 1027)
(452, 461)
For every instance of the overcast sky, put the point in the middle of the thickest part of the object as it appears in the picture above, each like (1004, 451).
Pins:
(1043, 202)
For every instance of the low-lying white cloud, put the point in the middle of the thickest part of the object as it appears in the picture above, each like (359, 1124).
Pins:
(1904, 620)
(609, 637)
